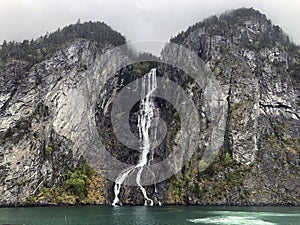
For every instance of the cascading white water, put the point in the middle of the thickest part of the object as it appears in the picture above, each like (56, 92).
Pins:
(145, 120)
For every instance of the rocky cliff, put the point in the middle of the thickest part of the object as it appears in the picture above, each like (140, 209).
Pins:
(50, 105)
(42, 105)
(259, 68)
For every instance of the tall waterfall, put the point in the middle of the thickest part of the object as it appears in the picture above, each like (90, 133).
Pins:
(145, 120)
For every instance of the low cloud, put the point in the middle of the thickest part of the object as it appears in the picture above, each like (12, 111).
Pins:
(136, 19)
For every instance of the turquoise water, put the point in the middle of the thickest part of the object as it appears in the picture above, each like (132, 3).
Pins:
(143, 215)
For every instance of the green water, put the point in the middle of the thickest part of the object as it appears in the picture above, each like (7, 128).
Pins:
(142, 215)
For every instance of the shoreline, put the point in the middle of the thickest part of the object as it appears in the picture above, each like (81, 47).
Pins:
(208, 205)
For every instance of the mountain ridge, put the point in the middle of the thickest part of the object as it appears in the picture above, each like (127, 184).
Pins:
(37, 50)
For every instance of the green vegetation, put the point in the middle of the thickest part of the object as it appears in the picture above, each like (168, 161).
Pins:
(48, 151)
(217, 71)
(39, 49)
(235, 106)
(220, 178)
(294, 65)
(257, 44)
(234, 175)
(290, 145)
(141, 68)
(280, 141)
(77, 180)
(50, 148)
(74, 188)
(178, 184)
(222, 25)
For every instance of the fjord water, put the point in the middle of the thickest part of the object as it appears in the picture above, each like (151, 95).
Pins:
(145, 215)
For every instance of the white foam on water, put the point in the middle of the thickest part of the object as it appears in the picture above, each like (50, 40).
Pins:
(256, 214)
(231, 220)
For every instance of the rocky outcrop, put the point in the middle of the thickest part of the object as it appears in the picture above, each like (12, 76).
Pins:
(259, 68)
(41, 108)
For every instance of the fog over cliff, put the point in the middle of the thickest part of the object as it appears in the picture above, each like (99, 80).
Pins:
(136, 19)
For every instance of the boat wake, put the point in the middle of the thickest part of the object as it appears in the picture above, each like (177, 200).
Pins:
(231, 220)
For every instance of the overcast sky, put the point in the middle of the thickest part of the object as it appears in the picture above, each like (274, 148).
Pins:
(138, 20)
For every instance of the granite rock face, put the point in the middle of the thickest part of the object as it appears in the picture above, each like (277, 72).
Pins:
(259, 67)
(44, 108)
(49, 111)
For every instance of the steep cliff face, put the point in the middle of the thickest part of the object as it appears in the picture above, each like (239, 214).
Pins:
(42, 106)
(48, 110)
(259, 67)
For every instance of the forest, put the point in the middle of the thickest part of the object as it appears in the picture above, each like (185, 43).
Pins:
(34, 51)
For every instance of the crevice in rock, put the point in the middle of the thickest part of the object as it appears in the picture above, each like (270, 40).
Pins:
(3, 108)
(286, 108)
(227, 136)
(276, 105)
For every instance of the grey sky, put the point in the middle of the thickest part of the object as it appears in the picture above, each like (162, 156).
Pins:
(138, 20)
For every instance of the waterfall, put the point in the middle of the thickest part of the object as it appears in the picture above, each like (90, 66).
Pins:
(145, 120)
